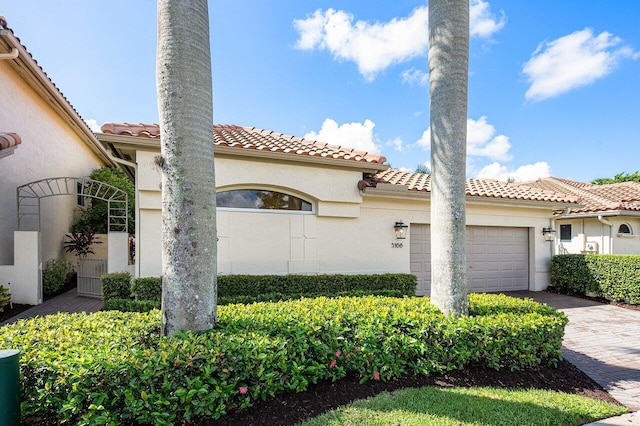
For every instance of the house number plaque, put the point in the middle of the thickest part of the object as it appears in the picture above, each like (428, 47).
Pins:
(396, 245)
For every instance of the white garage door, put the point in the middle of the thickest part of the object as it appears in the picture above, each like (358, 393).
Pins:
(497, 258)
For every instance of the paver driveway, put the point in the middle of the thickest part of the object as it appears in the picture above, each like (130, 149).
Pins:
(601, 340)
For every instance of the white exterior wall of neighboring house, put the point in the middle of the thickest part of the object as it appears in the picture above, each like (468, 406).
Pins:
(600, 236)
(50, 148)
(347, 232)
(624, 243)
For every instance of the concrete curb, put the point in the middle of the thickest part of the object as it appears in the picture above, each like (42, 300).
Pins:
(623, 420)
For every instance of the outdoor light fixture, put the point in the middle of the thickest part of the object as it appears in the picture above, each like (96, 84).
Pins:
(548, 234)
(401, 230)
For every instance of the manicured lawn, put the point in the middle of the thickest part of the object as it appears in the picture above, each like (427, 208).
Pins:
(469, 406)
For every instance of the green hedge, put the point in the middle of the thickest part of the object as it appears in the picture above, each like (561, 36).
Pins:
(256, 285)
(130, 305)
(262, 288)
(113, 367)
(116, 285)
(616, 277)
(149, 288)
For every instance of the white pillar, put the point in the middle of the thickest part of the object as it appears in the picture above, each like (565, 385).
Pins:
(118, 252)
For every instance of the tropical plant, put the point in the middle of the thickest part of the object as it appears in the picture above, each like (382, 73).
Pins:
(81, 243)
(448, 82)
(189, 249)
(619, 178)
(96, 214)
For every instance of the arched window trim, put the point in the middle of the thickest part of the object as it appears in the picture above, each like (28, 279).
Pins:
(285, 191)
(625, 234)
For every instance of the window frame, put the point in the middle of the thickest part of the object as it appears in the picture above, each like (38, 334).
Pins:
(269, 211)
(563, 230)
(625, 234)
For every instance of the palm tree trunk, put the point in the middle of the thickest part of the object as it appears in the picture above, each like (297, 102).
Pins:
(448, 80)
(185, 104)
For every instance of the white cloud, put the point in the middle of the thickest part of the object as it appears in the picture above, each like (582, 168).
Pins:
(573, 61)
(425, 140)
(397, 144)
(482, 23)
(373, 47)
(524, 173)
(481, 141)
(414, 76)
(93, 125)
(353, 135)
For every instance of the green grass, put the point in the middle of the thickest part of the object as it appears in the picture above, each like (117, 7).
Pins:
(469, 406)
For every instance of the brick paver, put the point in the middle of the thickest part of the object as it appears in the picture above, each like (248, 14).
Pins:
(601, 340)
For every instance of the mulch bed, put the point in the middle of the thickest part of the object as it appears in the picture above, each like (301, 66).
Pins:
(291, 408)
(12, 310)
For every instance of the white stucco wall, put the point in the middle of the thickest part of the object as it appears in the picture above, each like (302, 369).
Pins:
(50, 148)
(589, 230)
(345, 233)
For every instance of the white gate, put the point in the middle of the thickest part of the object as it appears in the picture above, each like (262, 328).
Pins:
(89, 273)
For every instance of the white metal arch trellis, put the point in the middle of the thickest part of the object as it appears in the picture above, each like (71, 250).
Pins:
(30, 194)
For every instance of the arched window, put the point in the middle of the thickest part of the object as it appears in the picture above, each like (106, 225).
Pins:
(625, 229)
(261, 199)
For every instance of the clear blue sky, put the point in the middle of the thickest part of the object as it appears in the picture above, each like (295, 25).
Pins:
(554, 86)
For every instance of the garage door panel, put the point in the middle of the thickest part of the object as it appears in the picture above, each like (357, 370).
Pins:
(497, 258)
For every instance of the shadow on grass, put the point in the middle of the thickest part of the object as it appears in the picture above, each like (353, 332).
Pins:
(477, 406)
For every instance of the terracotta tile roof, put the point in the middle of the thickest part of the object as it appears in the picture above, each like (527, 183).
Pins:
(9, 140)
(251, 138)
(487, 188)
(595, 198)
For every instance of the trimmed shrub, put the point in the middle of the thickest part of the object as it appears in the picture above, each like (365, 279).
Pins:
(130, 305)
(113, 367)
(281, 297)
(149, 288)
(616, 277)
(256, 285)
(5, 297)
(116, 285)
(55, 275)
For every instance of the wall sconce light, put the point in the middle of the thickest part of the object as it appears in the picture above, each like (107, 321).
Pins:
(401, 230)
(549, 234)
